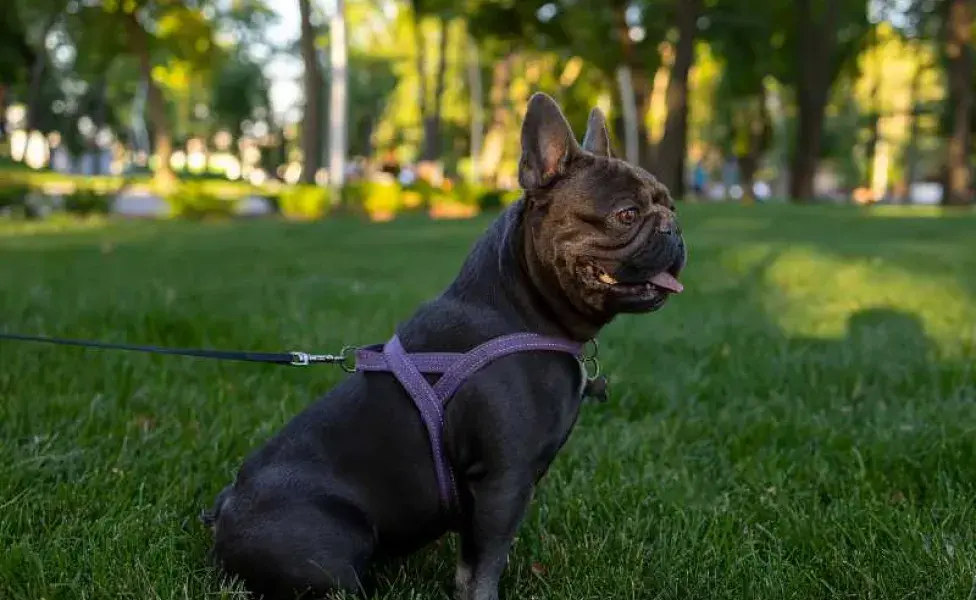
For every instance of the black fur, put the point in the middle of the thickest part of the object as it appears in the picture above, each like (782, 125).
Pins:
(351, 478)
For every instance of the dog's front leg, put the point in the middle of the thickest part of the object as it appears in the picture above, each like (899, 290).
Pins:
(498, 506)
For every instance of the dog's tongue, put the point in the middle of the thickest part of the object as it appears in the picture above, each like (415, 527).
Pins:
(667, 281)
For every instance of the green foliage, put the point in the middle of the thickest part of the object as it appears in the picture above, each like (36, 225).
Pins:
(369, 197)
(88, 202)
(16, 54)
(420, 193)
(304, 202)
(470, 193)
(14, 200)
(197, 200)
(240, 92)
(382, 196)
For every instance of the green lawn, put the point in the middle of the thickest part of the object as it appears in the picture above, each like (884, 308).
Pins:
(799, 424)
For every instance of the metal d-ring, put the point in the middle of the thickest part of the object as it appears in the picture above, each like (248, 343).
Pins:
(591, 366)
(348, 359)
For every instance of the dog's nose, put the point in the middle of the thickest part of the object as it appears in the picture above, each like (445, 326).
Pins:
(668, 225)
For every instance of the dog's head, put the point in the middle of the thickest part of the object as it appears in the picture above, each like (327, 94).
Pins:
(602, 231)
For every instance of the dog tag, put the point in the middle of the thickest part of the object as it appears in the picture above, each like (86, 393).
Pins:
(597, 388)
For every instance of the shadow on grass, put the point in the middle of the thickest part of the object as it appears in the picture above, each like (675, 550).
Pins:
(740, 454)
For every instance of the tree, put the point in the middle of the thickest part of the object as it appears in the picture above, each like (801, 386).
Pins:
(338, 100)
(825, 35)
(172, 43)
(16, 54)
(749, 42)
(240, 91)
(674, 144)
(960, 71)
(312, 86)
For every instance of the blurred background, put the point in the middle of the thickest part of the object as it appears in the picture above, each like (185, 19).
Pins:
(307, 106)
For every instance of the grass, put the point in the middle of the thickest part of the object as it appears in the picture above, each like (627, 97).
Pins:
(799, 424)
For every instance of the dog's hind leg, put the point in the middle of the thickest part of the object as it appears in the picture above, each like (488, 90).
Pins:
(303, 546)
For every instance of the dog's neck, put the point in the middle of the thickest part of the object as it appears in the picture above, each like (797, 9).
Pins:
(502, 272)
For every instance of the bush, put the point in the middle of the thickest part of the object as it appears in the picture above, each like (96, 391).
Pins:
(14, 200)
(304, 202)
(192, 200)
(353, 197)
(418, 195)
(496, 199)
(382, 197)
(469, 193)
(87, 202)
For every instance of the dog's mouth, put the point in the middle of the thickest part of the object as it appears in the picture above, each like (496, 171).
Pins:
(662, 283)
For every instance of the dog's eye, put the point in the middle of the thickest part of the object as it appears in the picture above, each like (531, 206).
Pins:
(626, 216)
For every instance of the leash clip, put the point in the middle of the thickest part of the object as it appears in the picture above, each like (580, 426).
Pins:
(345, 359)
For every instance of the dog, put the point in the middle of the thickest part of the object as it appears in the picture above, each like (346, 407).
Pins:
(352, 478)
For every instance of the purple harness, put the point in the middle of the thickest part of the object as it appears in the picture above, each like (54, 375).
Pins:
(454, 368)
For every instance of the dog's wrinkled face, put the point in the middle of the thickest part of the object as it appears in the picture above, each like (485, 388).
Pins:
(603, 230)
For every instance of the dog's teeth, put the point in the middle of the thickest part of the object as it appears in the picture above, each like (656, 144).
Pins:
(605, 278)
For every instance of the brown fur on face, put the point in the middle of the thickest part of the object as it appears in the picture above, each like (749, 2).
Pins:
(597, 226)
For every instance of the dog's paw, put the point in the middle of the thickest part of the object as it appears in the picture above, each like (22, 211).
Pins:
(462, 581)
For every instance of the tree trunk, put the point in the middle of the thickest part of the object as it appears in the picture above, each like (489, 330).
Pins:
(312, 84)
(3, 110)
(960, 75)
(477, 108)
(101, 106)
(432, 121)
(494, 146)
(911, 151)
(638, 94)
(758, 137)
(674, 143)
(418, 48)
(36, 83)
(338, 100)
(139, 41)
(629, 109)
(871, 150)
(817, 40)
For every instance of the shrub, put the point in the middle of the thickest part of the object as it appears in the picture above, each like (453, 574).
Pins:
(510, 196)
(304, 202)
(418, 195)
(192, 200)
(470, 193)
(382, 197)
(87, 202)
(490, 200)
(353, 198)
(15, 201)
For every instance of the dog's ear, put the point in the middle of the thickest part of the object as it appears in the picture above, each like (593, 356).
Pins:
(547, 143)
(597, 140)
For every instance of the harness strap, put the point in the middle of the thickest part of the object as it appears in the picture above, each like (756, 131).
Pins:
(480, 356)
(431, 412)
(372, 358)
(455, 369)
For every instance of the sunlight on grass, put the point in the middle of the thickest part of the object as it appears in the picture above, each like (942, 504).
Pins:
(816, 295)
(50, 226)
(928, 212)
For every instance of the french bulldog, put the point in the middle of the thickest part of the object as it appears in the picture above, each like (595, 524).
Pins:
(351, 478)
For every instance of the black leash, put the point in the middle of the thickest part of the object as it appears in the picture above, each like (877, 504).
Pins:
(295, 359)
